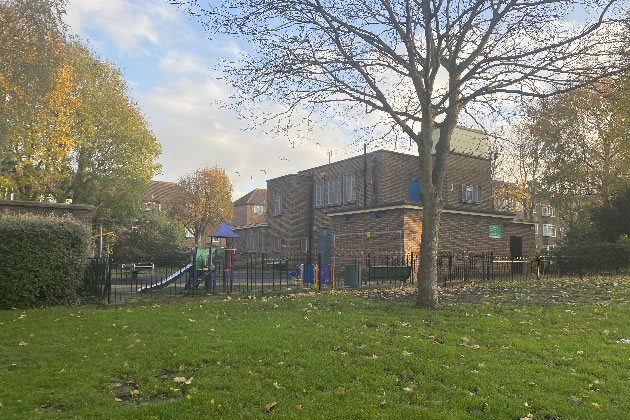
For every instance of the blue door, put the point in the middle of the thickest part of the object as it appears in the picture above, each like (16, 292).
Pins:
(324, 244)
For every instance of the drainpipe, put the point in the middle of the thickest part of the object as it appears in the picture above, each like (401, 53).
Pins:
(365, 175)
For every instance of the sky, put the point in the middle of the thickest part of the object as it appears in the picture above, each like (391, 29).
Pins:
(170, 66)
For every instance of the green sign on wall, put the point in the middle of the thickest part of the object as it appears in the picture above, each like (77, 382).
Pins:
(494, 231)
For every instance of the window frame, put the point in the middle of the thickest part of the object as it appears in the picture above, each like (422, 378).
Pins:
(259, 207)
(335, 191)
(252, 240)
(304, 244)
(349, 193)
(277, 203)
(474, 191)
(276, 244)
(549, 230)
(319, 191)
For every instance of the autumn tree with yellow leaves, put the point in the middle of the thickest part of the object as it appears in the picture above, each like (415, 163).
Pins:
(67, 125)
(206, 198)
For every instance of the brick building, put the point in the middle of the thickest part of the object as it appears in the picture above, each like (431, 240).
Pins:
(548, 226)
(370, 204)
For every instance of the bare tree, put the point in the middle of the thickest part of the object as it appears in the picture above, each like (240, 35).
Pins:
(518, 167)
(417, 63)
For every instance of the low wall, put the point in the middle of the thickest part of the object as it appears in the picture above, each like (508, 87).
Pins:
(81, 212)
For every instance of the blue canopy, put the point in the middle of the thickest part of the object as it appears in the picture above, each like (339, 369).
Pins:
(224, 231)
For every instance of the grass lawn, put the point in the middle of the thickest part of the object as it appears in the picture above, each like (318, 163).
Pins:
(326, 356)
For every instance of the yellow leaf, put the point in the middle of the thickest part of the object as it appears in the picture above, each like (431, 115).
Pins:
(212, 402)
(596, 405)
(179, 379)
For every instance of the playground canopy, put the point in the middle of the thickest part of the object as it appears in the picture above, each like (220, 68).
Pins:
(223, 231)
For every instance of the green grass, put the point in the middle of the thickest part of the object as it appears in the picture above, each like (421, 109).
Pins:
(488, 360)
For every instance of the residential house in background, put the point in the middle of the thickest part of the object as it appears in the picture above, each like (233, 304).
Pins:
(548, 226)
(371, 204)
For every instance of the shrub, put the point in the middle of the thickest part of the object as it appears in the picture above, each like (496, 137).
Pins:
(42, 260)
(157, 238)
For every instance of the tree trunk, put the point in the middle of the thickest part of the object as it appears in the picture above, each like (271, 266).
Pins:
(427, 268)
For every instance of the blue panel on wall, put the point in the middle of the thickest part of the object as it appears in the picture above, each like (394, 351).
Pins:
(414, 191)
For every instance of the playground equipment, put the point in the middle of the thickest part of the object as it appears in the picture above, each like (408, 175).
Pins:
(316, 274)
(207, 265)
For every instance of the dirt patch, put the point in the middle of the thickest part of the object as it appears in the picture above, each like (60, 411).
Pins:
(49, 407)
(572, 291)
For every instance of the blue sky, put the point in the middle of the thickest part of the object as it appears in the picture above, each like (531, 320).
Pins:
(169, 64)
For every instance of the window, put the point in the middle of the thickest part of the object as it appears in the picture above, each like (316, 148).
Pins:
(348, 218)
(304, 244)
(548, 247)
(414, 191)
(534, 209)
(319, 189)
(251, 240)
(276, 244)
(349, 188)
(216, 241)
(188, 233)
(277, 204)
(471, 194)
(549, 230)
(334, 190)
(548, 211)
(562, 231)
(259, 209)
(536, 229)
(380, 215)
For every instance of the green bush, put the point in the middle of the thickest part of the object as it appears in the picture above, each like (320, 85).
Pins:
(156, 238)
(42, 260)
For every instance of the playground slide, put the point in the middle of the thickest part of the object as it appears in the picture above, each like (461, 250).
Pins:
(167, 280)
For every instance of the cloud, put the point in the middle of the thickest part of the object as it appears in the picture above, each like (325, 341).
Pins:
(129, 24)
(196, 132)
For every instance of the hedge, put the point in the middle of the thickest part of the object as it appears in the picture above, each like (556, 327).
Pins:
(42, 260)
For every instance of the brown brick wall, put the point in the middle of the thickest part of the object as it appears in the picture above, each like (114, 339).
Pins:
(468, 233)
(291, 225)
(244, 215)
(80, 212)
(386, 175)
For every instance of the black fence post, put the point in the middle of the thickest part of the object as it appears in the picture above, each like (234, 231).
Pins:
(262, 272)
(109, 279)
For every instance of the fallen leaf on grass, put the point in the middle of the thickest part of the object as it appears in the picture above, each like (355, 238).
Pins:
(340, 391)
(117, 399)
(277, 385)
(574, 400)
(596, 405)
(179, 379)
(270, 406)
(23, 343)
(212, 402)
(299, 407)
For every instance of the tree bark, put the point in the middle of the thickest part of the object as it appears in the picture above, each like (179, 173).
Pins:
(427, 268)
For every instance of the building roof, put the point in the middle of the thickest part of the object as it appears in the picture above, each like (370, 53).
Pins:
(257, 196)
(163, 191)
